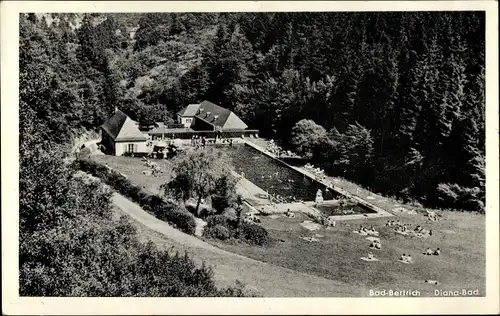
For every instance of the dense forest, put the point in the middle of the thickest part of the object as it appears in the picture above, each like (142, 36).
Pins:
(396, 101)
(393, 101)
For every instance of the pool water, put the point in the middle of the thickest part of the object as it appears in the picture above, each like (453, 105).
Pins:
(333, 210)
(274, 176)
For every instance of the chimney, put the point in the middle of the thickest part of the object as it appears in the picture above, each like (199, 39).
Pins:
(208, 114)
(216, 117)
(116, 109)
(200, 110)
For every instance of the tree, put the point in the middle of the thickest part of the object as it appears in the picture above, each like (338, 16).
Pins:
(306, 137)
(354, 149)
(198, 173)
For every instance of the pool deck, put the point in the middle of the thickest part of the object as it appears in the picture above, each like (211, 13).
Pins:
(254, 195)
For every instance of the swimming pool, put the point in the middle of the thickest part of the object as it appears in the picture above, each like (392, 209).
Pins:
(334, 210)
(274, 176)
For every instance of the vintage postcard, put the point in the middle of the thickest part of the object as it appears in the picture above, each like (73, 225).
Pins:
(250, 157)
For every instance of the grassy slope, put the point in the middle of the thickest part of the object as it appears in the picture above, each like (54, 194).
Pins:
(337, 255)
(460, 236)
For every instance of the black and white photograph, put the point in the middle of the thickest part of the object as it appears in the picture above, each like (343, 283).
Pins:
(254, 154)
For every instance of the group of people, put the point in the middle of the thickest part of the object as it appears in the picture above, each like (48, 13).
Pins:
(276, 198)
(430, 252)
(406, 258)
(289, 214)
(155, 169)
(273, 148)
(198, 141)
(367, 231)
(202, 141)
(393, 223)
(375, 244)
(251, 218)
(317, 172)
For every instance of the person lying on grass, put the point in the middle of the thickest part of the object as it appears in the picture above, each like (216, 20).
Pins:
(437, 252)
(409, 259)
(428, 252)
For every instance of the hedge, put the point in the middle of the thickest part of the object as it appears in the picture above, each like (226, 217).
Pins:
(174, 214)
(221, 227)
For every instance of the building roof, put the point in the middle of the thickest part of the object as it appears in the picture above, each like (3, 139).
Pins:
(234, 122)
(189, 110)
(214, 115)
(121, 128)
(167, 131)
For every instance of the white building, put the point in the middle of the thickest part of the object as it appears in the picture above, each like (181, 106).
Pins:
(120, 134)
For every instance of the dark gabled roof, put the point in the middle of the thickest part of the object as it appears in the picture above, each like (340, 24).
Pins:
(218, 116)
(189, 110)
(121, 127)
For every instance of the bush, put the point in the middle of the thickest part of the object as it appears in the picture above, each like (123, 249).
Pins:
(176, 215)
(255, 234)
(221, 232)
(218, 226)
(215, 220)
(205, 211)
(230, 214)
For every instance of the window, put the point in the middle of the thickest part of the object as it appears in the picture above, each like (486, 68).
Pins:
(131, 148)
(188, 120)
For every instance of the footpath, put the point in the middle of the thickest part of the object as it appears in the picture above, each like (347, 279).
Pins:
(263, 278)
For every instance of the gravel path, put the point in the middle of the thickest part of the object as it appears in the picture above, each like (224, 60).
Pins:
(266, 279)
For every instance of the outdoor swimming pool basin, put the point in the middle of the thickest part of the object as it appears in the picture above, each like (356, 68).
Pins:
(333, 209)
(274, 176)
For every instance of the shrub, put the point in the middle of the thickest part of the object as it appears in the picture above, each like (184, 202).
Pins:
(255, 234)
(205, 211)
(177, 215)
(191, 208)
(215, 220)
(230, 214)
(221, 232)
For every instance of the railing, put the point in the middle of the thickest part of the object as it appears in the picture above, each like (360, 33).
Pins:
(174, 125)
(208, 134)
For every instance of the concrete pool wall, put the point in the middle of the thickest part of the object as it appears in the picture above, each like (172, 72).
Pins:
(377, 211)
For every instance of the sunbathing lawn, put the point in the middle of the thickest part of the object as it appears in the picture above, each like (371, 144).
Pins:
(337, 255)
(461, 237)
(133, 167)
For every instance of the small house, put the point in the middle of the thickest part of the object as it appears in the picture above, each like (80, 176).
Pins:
(120, 135)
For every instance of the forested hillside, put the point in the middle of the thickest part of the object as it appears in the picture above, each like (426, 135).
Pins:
(70, 241)
(393, 101)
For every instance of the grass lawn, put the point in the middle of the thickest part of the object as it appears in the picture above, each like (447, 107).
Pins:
(461, 237)
(133, 167)
(337, 255)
